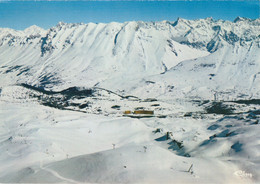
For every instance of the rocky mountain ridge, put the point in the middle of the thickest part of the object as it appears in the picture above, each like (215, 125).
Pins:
(100, 54)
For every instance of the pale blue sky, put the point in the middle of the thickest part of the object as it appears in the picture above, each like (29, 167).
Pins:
(22, 14)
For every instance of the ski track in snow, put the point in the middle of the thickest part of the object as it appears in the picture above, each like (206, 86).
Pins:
(54, 173)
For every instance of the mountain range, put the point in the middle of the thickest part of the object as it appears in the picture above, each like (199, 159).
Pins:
(185, 58)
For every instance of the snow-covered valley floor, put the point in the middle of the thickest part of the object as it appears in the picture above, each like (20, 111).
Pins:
(45, 144)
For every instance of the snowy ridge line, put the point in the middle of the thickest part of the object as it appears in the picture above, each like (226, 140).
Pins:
(183, 58)
(218, 26)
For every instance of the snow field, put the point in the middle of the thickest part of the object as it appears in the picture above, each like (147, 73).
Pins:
(42, 144)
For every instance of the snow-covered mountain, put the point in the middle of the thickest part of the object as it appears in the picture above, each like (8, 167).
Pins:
(64, 94)
(118, 55)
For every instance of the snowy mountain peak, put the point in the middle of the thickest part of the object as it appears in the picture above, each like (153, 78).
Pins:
(239, 19)
(60, 24)
(203, 34)
(209, 19)
(99, 54)
(34, 30)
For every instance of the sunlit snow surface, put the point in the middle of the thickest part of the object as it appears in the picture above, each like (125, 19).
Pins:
(42, 144)
(63, 93)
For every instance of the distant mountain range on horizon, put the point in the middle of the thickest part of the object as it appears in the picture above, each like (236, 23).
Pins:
(197, 57)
